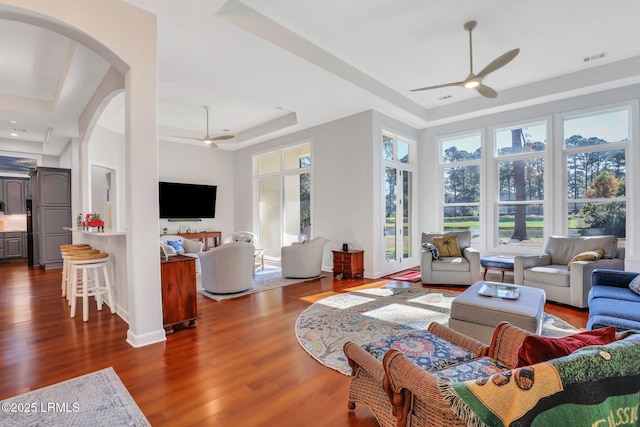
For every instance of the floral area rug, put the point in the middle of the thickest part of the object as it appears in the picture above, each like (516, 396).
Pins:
(371, 315)
(95, 399)
(268, 278)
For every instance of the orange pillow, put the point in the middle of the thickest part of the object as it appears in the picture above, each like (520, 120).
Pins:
(535, 349)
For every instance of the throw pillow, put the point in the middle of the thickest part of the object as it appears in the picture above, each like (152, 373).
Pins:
(177, 246)
(435, 254)
(635, 284)
(535, 349)
(448, 245)
(586, 256)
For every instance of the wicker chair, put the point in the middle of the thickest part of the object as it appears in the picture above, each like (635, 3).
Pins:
(414, 392)
(368, 377)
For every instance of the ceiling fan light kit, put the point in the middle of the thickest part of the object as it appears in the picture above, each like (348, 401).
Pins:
(474, 81)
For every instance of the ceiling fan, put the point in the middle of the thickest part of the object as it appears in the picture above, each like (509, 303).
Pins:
(209, 140)
(474, 81)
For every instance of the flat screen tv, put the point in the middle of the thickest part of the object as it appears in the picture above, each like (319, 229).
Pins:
(187, 201)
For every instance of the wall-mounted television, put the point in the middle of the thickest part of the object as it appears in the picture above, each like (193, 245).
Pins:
(187, 201)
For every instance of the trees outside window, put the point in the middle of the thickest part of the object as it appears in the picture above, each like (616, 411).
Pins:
(519, 155)
(460, 162)
(565, 175)
(595, 147)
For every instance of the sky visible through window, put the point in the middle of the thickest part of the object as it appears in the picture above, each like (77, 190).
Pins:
(612, 126)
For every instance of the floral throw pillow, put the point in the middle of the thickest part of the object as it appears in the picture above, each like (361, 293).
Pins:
(448, 246)
(635, 285)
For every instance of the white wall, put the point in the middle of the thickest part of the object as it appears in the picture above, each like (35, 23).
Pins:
(429, 156)
(346, 183)
(107, 149)
(193, 164)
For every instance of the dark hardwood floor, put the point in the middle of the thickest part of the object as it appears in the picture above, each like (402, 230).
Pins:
(241, 366)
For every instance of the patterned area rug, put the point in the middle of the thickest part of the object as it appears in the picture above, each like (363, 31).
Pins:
(269, 278)
(96, 399)
(373, 314)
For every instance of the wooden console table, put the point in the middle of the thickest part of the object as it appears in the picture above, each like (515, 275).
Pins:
(179, 299)
(204, 236)
(348, 263)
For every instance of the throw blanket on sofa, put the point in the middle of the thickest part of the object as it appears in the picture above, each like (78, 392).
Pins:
(596, 386)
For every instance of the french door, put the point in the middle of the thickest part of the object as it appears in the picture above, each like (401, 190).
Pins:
(399, 196)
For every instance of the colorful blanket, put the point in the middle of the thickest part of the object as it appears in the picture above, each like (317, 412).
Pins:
(596, 386)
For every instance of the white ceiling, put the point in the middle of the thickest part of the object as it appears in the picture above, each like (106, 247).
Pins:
(269, 68)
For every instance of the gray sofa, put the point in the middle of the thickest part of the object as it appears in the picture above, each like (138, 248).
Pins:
(550, 271)
(464, 270)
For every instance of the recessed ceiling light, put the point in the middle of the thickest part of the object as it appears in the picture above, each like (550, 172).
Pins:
(13, 122)
(14, 134)
(442, 98)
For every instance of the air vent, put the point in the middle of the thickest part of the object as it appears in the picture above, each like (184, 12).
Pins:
(594, 57)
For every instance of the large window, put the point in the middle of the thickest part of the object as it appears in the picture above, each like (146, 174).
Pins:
(460, 160)
(534, 178)
(595, 148)
(519, 157)
(284, 197)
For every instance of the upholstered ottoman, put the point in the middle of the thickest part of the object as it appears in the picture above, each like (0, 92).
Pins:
(477, 315)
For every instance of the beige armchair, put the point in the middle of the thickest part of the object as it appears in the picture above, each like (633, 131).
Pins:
(450, 270)
(241, 236)
(190, 248)
(228, 268)
(303, 260)
(564, 283)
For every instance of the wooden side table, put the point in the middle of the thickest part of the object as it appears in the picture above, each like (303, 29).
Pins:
(204, 236)
(348, 263)
(179, 302)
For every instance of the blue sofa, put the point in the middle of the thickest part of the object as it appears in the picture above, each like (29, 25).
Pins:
(611, 302)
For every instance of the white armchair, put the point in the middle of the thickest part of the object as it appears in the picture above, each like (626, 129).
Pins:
(303, 260)
(562, 280)
(450, 270)
(190, 248)
(228, 268)
(241, 236)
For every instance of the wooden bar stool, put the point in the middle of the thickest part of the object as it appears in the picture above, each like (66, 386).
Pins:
(93, 269)
(65, 250)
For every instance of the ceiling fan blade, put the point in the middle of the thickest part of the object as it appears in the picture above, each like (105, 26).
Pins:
(499, 62)
(186, 137)
(213, 145)
(223, 137)
(438, 86)
(486, 91)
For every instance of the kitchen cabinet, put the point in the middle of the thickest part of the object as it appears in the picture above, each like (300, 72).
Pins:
(12, 244)
(14, 195)
(51, 194)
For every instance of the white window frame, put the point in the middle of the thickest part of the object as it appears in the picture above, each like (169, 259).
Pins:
(492, 193)
(441, 177)
(631, 175)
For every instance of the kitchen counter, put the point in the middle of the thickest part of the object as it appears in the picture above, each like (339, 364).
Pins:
(106, 233)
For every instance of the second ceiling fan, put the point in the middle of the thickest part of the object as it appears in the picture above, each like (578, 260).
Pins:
(474, 81)
(207, 139)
